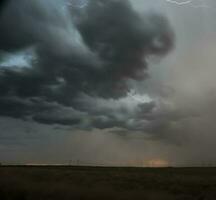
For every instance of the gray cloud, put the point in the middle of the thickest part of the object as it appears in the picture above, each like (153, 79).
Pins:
(169, 116)
(82, 62)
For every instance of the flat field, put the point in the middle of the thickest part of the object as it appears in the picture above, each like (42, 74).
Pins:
(106, 183)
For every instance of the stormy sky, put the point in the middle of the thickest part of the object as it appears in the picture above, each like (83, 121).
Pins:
(111, 82)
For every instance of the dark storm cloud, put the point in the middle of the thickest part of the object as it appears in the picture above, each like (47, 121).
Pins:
(2, 4)
(13, 106)
(89, 53)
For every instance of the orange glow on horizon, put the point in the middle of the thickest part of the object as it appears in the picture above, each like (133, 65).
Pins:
(157, 163)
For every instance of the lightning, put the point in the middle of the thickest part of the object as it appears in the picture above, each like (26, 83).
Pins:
(179, 3)
(139, 98)
(199, 4)
(77, 3)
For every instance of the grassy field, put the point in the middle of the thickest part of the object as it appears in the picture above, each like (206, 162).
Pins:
(80, 183)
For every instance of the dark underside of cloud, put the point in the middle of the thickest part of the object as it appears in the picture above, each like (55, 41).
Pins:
(83, 59)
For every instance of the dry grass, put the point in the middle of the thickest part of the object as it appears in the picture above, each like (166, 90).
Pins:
(71, 183)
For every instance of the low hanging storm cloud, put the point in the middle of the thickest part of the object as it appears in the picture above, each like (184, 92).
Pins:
(62, 64)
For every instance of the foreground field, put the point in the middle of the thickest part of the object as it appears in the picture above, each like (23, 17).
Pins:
(80, 183)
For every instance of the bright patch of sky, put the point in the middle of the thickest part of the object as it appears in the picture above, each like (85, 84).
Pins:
(18, 59)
